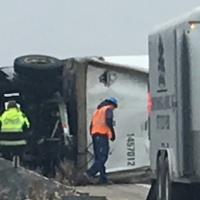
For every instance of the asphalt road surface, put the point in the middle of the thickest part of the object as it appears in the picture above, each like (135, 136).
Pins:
(118, 191)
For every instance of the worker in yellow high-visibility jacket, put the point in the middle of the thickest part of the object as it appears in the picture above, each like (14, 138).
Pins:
(13, 122)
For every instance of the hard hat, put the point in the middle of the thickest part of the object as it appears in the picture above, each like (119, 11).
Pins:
(113, 100)
(12, 104)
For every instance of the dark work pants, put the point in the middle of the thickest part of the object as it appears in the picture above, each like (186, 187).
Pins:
(101, 150)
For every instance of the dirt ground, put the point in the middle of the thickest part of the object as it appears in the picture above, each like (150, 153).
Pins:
(118, 191)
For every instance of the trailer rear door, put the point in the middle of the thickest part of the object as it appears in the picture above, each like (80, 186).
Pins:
(163, 90)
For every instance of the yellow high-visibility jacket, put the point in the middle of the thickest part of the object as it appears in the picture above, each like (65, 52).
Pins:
(13, 120)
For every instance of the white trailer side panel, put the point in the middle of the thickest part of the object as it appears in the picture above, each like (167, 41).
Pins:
(131, 148)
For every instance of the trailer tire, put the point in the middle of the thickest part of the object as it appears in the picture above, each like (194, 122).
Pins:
(38, 66)
(164, 184)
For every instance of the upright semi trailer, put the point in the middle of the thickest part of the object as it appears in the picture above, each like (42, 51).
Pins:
(174, 114)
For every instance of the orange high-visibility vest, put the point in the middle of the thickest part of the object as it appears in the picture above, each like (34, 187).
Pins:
(99, 122)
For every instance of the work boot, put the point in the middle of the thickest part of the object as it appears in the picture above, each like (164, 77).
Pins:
(105, 182)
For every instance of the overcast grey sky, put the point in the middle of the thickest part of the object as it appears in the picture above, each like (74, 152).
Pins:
(65, 28)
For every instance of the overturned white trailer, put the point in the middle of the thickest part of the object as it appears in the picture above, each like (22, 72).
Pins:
(59, 98)
(92, 80)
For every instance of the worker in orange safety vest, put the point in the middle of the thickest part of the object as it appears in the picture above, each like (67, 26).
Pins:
(101, 130)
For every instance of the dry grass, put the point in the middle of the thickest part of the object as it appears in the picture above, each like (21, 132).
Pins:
(66, 173)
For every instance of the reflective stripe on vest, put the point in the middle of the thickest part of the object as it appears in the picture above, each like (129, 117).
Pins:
(13, 143)
(99, 122)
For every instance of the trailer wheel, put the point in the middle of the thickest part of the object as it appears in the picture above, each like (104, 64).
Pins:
(39, 66)
(164, 184)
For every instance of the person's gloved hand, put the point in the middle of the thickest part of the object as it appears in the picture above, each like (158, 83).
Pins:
(113, 138)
